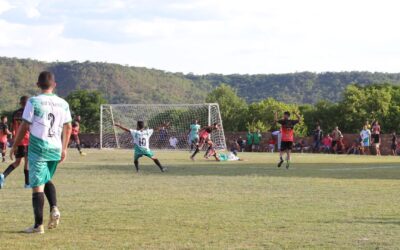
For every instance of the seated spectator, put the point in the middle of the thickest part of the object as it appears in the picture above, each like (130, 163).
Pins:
(235, 148)
(173, 141)
(241, 143)
(271, 145)
(326, 144)
(355, 148)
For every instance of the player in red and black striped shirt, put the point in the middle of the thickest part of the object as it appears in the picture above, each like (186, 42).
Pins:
(287, 132)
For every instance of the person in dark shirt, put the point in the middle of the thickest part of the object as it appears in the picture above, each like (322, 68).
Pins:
(241, 143)
(318, 135)
(394, 144)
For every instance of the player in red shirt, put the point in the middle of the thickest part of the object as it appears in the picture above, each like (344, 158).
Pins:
(4, 133)
(287, 132)
(204, 137)
(75, 134)
(22, 149)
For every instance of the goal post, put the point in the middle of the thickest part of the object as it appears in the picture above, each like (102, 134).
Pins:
(170, 122)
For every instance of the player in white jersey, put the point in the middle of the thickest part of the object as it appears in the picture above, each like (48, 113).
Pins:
(48, 119)
(141, 141)
(194, 134)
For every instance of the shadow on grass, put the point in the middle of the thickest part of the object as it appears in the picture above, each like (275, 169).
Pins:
(342, 171)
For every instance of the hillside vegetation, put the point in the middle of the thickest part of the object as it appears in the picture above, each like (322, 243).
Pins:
(123, 84)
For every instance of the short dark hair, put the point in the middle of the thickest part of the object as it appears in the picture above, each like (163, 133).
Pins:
(287, 113)
(45, 80)
(23, 99)
(3, 116)
(140, 124)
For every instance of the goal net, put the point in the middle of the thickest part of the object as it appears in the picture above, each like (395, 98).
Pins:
(170, 122)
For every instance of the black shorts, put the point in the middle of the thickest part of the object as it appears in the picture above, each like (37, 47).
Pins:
(21, 152)
(393, 146)
(286, 145)
(3, 146)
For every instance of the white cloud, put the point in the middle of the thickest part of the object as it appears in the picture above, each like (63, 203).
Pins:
(201, 36)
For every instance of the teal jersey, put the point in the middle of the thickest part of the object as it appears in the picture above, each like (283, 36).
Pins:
(194, 130)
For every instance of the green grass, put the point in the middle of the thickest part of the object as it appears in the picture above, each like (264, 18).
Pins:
(323, 202)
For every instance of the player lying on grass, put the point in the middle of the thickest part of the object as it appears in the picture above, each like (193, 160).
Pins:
(221, 156)
(22, 150)
(287, 139)
(141, 141)
(204, 135)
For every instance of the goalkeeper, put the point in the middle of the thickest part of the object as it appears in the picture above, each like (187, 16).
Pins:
(141, 141)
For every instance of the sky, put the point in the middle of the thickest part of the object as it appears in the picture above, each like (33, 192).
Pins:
(207, 36)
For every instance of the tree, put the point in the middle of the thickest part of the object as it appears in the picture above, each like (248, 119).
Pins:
(233, 108)
(86, 104)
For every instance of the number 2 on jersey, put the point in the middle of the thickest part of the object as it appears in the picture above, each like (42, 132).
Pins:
(51, 118)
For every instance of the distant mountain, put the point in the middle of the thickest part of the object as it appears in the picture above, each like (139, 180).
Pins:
(123, 84)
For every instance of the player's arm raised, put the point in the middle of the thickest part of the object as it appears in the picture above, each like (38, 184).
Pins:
(67, 130)
(122, 127)
(18, 138)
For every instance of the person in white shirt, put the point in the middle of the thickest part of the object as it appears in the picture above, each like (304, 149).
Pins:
(173, 142)
(365, 136)
(141, 141)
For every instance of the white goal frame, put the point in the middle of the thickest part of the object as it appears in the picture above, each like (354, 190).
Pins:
(214, 115)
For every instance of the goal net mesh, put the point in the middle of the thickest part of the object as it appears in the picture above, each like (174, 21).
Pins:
(170, 122)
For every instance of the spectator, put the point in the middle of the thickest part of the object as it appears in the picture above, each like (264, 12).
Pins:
(271, 144)
(173, 142)
(317, 139)
(256, 141)
(336, 136)
(394, 144)
(376, 137)
(249, 141)
(365, 136)
(355, 148)
(235, 147)
(241, 143)
(327, 143)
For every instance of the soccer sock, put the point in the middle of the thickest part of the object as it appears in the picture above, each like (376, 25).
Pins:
(78, 147)
(136, 162)
(208, 150)
(8, 170)
(3, 155)
(38, 204)
(157, 162)
(50, 191)
(281, 158)
(195, 152)
(26, 173)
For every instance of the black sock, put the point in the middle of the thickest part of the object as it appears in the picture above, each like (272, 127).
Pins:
(8, 170)
(195, 152)
(38, 204)
(78, 147)
(26, 173)
(281, 158)
(136, 165)
(157, 162)
(50, 191)
(3, 155)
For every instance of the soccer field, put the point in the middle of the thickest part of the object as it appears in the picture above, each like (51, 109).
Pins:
(324, 201)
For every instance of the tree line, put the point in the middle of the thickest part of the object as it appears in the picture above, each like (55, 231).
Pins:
(359, 104)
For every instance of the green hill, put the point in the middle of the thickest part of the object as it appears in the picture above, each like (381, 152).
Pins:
(123, 84)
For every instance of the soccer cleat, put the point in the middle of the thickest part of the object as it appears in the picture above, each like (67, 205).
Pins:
(33, 230)
(27, 186)
(280, 163)
(164, 169)
(287, 165)
(192, 158)
(1, 181)
(82, 154)
(54, 218)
